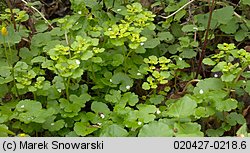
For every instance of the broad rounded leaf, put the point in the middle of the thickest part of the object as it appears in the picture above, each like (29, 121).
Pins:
(156, 129)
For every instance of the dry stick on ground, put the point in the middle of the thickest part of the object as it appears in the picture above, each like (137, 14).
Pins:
(211, 7)
(39, 14)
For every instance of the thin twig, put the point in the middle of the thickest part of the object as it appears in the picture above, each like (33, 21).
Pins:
(206, 38)
(39, 14)
(191, 1)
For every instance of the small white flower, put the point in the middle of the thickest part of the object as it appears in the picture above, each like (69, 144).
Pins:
(118, 10)
(110, 80)
(102, 115)
(52, 124)
(216, 75)
(99, 124)
(201, 91)
(180, 58)
(22, 106)
(195, 28)
(79, 12)
(141, 43)
(158, 111)
(109, 29)
(127, 87)
(78, 62)
(139, 123)
(244, 81)
(138, 73)
(59, 90)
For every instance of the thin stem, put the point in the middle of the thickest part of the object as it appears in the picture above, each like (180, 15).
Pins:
(206, 38)
(178, 10)
(39, 13)
(12, 14)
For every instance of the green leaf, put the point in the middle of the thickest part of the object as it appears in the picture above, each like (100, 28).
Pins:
(4, 131)
(242, 130)
(151, 43)
(123, 79)
(117, 59)
(156, 99)
(131, 98)
(226, 105)
(114, 96)
(215, 132)
(240, 35)
(53, 126)
(208, 61)
(87, 55)
(188, 130)
(230, 28)
(234, 118)
(223, 15)
(188, 53)
(189, 28)
(84, 129)
(247, 89)
(145, 86)
(113, 130)
(167, 36)
(156, 129)
(183, 108)
(99, 107)
(245, 2)
(208, 84)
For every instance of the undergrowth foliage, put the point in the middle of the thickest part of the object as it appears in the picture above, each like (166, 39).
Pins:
(120, 68)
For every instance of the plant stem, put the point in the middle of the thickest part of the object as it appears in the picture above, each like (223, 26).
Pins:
(211, 7)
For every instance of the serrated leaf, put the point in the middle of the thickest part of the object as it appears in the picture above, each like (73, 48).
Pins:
(156, 129)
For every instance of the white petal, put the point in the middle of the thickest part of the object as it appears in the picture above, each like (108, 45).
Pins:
(158, 111)
(102, 116)
(139, 123)
(110, 80)
(138, 73)
(141, 43)
(109, 29)
(201, 91)
(78, 62)
(22, 106)
(127, 87)
(118, 10)
(180, 58)
(52, 124)
(79, 12)
(215, 75)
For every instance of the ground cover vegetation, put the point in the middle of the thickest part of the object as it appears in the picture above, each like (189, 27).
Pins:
(118, 68)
